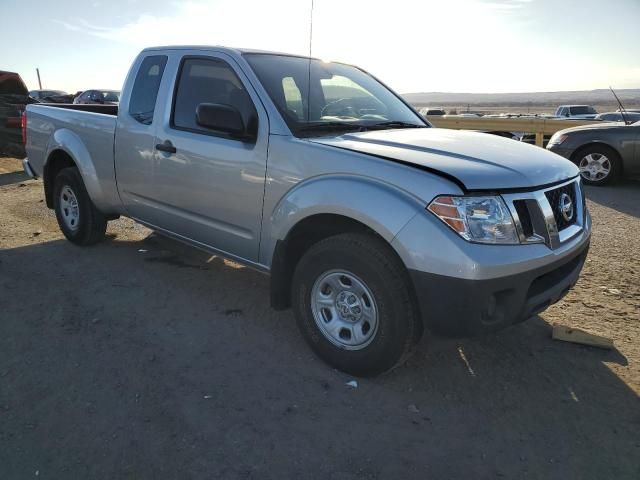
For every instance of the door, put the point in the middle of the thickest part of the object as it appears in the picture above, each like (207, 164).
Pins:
(135, 137)
(208, 185)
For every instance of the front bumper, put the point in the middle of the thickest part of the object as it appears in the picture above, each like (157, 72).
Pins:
(458, 307)
(27, 168)
(465, 288)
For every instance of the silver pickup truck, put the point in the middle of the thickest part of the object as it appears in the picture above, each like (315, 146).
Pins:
(372, 225)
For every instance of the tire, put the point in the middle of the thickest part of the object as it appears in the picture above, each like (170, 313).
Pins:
(598, 164)
(78, 218)
(367, 267)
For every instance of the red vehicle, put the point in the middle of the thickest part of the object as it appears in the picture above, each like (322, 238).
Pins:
(13, 98)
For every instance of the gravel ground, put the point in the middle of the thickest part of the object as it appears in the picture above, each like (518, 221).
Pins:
(141, 358)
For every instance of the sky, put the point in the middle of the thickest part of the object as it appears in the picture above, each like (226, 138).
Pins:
(412, 45)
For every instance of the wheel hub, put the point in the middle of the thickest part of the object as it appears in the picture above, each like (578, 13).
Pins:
(348, 305)
(344, 309)
(595, 166)
(69, 208)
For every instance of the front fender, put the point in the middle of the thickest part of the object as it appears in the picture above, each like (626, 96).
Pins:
(70, 143)
(381, 207)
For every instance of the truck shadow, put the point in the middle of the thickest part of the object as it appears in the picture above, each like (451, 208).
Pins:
(131, 358)
(623, 196)
(13, 177)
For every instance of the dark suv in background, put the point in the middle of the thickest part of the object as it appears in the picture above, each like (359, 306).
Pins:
(102, 97)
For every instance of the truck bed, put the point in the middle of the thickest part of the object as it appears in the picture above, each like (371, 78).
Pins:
(86, 133)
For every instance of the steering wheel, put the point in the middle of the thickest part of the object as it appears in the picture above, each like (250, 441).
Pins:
(347, 110)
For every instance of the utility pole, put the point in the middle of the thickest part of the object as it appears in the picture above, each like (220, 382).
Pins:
(39, 82)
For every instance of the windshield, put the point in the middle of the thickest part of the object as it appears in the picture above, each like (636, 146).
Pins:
(583, 110)
(341, 97)
(111, 96)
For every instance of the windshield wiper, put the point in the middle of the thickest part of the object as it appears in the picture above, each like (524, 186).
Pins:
(355, 127)
(332, 126)
(396, 124)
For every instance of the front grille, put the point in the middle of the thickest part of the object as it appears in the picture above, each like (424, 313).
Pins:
(525, 217)
(554, 196)
(538, 214)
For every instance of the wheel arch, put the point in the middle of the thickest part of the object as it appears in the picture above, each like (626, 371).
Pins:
(304, 235)
(308, 215)
(57, 160)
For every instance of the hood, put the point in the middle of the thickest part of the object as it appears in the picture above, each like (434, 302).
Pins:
(478, 161)
(595, 126)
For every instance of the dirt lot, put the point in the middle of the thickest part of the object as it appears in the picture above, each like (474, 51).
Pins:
(139, 358)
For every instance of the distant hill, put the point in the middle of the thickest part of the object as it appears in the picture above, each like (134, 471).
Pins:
(590, 97)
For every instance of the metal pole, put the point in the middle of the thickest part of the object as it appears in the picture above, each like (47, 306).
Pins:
(39, 82)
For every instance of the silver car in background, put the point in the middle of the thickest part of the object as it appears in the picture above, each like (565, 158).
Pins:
(602, 152)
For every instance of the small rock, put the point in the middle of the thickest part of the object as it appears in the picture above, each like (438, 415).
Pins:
(413, 409)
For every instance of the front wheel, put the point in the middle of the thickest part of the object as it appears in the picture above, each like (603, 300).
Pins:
(353, 303)
(78, 218)
(598, 164)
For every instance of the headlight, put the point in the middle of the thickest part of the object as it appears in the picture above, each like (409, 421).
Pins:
(477, 219)
(557, 139)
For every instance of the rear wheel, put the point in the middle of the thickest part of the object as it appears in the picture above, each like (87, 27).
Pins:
(78, 218)
(353, 304)
(598, 164)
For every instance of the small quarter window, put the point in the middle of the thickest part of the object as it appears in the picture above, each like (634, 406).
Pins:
(293, 98)
(145, 88)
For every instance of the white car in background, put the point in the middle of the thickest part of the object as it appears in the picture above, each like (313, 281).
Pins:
(576, 112)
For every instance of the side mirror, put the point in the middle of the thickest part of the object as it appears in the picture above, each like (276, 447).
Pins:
(223, 118)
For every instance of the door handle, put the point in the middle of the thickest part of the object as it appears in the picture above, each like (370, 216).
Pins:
(166, 146)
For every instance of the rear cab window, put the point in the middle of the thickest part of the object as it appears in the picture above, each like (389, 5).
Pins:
(145, 88)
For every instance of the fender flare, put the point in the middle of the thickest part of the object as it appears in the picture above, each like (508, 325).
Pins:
(70, 143)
